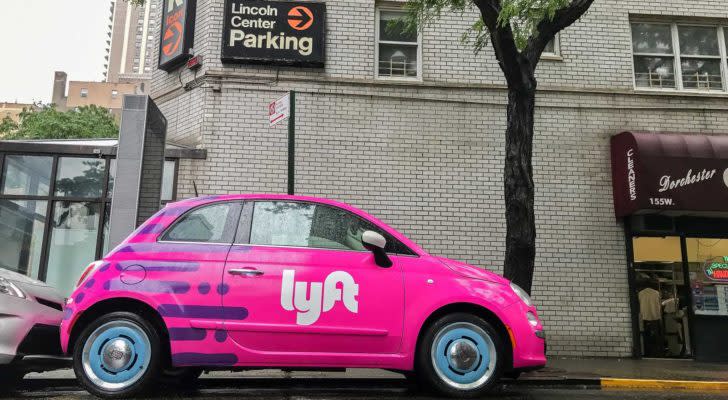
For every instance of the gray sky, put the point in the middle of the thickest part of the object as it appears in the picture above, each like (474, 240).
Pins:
(42, 36)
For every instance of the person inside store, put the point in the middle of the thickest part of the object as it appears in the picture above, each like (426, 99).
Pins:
(651, 318)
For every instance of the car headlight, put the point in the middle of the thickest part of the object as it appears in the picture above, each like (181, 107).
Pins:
(522, 294)
(532, 319)
(10, 289)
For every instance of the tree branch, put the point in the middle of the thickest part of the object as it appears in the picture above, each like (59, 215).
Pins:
(547, 29)
(502, 38)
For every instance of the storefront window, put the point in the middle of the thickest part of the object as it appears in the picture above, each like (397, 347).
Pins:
(105, 235)
(72, 242)
(27, 175)
(112, 176)
(80, 177)
(708, 261)
(21, 235)
(50, 221)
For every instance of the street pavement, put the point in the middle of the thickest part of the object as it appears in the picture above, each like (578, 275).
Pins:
(353, 389)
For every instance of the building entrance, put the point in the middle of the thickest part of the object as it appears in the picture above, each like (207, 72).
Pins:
(663, 297)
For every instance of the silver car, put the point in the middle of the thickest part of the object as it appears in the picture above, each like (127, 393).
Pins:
(30, 316)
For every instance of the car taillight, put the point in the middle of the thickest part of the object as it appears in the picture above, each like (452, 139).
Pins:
(86, 272)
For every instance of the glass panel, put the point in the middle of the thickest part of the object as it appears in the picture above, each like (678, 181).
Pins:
(662, 296)
(72, 243)
(206, 224)
(27, 175)
(397, 60)
(281, 224)
(654, 72)
(550, 47)
(652, 38)
(708, 260)
(21, 235)
(80, 177)
(112, 177)
(393, 27)
(105, 224)
(701, 74)
(168, 181)
(698, 40)
(310, 225)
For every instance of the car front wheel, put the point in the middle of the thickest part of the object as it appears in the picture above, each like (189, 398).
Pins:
(460, 355)
(117, 355)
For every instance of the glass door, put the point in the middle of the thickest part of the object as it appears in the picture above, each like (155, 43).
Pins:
(662, 297)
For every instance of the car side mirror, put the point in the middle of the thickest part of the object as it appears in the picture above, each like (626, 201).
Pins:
(376, 243)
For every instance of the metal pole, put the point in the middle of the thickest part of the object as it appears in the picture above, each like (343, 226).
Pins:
(292, 144)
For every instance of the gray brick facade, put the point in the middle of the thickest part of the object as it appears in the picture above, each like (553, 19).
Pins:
(440, 145)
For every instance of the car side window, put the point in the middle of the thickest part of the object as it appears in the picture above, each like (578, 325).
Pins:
(205, 224)
(300, 224)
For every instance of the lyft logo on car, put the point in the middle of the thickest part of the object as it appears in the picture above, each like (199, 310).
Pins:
(322, 298)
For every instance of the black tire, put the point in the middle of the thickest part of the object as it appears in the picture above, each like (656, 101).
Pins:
(427, 370)
(150, 373)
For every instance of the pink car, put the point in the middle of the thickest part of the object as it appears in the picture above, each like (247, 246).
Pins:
(266, 281)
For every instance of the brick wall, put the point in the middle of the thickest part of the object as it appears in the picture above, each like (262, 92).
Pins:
(439, 146)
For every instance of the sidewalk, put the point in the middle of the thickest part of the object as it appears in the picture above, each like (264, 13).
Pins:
(630, 373)
(603, 372)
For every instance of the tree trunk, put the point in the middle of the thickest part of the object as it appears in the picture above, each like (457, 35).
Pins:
(519, 187)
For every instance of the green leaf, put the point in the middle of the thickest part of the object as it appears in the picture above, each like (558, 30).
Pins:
(522, 15)
(49, 123)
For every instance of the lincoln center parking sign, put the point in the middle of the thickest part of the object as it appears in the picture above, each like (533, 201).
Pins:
(274, 32)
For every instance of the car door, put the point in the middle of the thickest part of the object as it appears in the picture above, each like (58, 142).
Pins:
(308, 285)
(186, 268)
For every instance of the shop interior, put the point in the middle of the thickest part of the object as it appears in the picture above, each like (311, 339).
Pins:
(671, 288)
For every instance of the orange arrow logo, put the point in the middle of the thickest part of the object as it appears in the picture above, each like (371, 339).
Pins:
(300, 18)
(172, 39)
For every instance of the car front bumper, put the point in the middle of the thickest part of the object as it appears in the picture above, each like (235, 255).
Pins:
(529, 342)
(27, 328)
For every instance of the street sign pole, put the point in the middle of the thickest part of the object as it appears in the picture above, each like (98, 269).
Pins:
(292, 145)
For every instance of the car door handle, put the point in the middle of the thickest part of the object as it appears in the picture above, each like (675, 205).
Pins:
(245, 272)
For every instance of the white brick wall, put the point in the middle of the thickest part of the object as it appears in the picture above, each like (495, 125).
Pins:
(440, 146)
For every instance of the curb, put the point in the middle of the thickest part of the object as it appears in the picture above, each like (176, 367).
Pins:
(616, 383)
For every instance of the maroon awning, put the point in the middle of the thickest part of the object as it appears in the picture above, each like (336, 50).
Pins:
(660, 171)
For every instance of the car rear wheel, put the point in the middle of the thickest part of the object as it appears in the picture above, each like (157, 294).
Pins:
(460, 355)
(117, 355)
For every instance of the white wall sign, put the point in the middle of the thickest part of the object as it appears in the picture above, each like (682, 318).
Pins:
(279, 110)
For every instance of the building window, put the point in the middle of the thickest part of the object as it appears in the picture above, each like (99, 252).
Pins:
(398, 50)
(677, 56)
(553, 48)
(114, 94)
(84, 92)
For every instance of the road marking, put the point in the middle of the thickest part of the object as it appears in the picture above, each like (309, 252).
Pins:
(614, 383)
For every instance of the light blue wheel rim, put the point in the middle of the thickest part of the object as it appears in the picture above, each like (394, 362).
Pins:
(479, 370)
(119, 377)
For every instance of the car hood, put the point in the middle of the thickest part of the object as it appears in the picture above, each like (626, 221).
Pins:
(33, 287)
(20, 278)
(473, 272)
